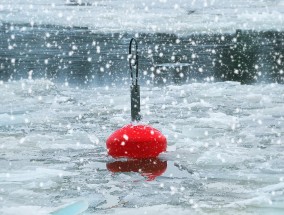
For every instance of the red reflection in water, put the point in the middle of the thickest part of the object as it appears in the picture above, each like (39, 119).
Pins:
(150, 168)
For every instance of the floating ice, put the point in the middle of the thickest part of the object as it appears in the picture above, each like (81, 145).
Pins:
(72, 209)
(226, 139)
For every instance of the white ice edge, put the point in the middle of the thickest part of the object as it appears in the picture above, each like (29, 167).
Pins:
(170, 16)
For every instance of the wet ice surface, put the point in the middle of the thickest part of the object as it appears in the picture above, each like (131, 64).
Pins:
(178, 16)
(225, 149)
(225, 140)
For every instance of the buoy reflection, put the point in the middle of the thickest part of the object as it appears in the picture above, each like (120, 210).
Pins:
(149, 168)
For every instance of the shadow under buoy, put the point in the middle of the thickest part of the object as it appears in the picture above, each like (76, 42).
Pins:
(149, 168)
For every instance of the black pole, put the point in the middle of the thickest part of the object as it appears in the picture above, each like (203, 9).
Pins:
(134, 88)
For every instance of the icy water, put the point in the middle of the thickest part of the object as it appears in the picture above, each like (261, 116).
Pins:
(83, 58)
(225, 150)
(64, 83)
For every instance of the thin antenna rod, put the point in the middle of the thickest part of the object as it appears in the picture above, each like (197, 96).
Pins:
(134, 88)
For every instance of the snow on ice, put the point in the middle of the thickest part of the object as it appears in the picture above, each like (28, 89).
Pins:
(178, 16)
(225, 147)
(225, 140)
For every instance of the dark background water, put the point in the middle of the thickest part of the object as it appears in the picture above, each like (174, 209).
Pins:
(81, 57)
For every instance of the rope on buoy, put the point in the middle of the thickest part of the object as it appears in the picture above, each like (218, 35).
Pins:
(134, 88)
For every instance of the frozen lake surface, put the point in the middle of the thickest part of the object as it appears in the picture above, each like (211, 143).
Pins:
(225, 150)
(178, 16)
(65, 88)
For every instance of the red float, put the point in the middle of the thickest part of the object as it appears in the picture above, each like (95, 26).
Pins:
(149, 168)
(136, 141)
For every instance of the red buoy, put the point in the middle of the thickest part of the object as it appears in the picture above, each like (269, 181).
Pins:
(136, 141)
(150, 168)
